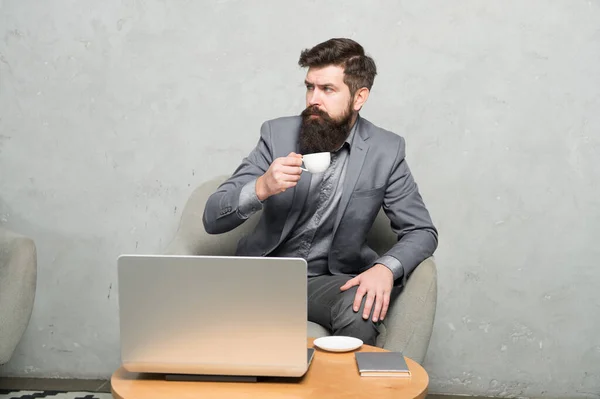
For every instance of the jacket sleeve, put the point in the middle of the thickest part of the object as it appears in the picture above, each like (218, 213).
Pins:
(222, 212)
(410, 219)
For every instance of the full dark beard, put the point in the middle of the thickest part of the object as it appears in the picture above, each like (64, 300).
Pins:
(322, 133)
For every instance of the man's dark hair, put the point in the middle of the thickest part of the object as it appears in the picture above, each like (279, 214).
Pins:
(359, 69)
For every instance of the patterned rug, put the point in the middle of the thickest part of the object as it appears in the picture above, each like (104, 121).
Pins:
(18, 394)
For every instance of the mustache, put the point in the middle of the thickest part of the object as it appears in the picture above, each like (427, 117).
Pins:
(314, 110)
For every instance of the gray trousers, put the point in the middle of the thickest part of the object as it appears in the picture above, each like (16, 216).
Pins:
(332, 308)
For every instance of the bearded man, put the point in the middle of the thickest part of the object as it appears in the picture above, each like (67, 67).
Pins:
(325, 217)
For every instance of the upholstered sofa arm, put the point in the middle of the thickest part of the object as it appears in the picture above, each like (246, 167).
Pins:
(181, 245)
(410, 321)
(192, 239)
(18, 277)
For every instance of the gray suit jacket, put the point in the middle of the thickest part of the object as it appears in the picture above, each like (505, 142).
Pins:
(377, 176)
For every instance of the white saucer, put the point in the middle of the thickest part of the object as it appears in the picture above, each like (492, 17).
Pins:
(338, 343)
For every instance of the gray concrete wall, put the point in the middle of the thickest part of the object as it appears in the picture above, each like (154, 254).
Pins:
(112, 112)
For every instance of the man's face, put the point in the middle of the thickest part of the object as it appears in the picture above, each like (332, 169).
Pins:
(326, 90)
(329, 110)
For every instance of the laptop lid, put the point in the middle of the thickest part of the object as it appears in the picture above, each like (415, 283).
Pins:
(213, 315)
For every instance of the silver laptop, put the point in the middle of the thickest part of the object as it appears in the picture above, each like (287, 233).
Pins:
(213, 315)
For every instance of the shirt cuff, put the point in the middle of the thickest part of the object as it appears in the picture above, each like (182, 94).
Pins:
(394, 265)
(249, 202)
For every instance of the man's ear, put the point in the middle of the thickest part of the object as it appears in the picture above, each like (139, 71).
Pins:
(360, 98)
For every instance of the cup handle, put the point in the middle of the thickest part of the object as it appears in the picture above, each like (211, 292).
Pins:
(304, 169)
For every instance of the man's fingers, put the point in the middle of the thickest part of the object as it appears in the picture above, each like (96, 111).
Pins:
(350, 283)
(378, 306)
(292, 160)
(295, 160)
(280, 176)
(287, 184)
(360, 292)
(290, 170)
(386, 305)
(368, 305)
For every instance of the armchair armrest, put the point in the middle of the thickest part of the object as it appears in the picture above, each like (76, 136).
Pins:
(180, 245)
(18, 278)
(410, 321)
(192, 239)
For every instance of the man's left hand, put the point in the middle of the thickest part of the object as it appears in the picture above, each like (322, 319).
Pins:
(376, 283)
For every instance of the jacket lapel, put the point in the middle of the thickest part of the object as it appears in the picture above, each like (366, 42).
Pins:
(358, 153)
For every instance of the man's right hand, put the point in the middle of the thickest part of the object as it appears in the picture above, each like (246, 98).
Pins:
(283, 173)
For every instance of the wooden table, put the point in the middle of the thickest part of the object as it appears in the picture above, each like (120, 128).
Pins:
(331, 375)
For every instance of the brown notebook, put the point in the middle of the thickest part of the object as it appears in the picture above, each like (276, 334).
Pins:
(381, 364)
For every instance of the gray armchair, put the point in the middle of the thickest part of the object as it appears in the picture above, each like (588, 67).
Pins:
(409, 323)
(18, 275)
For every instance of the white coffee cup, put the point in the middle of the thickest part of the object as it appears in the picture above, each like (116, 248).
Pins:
(317, 162)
